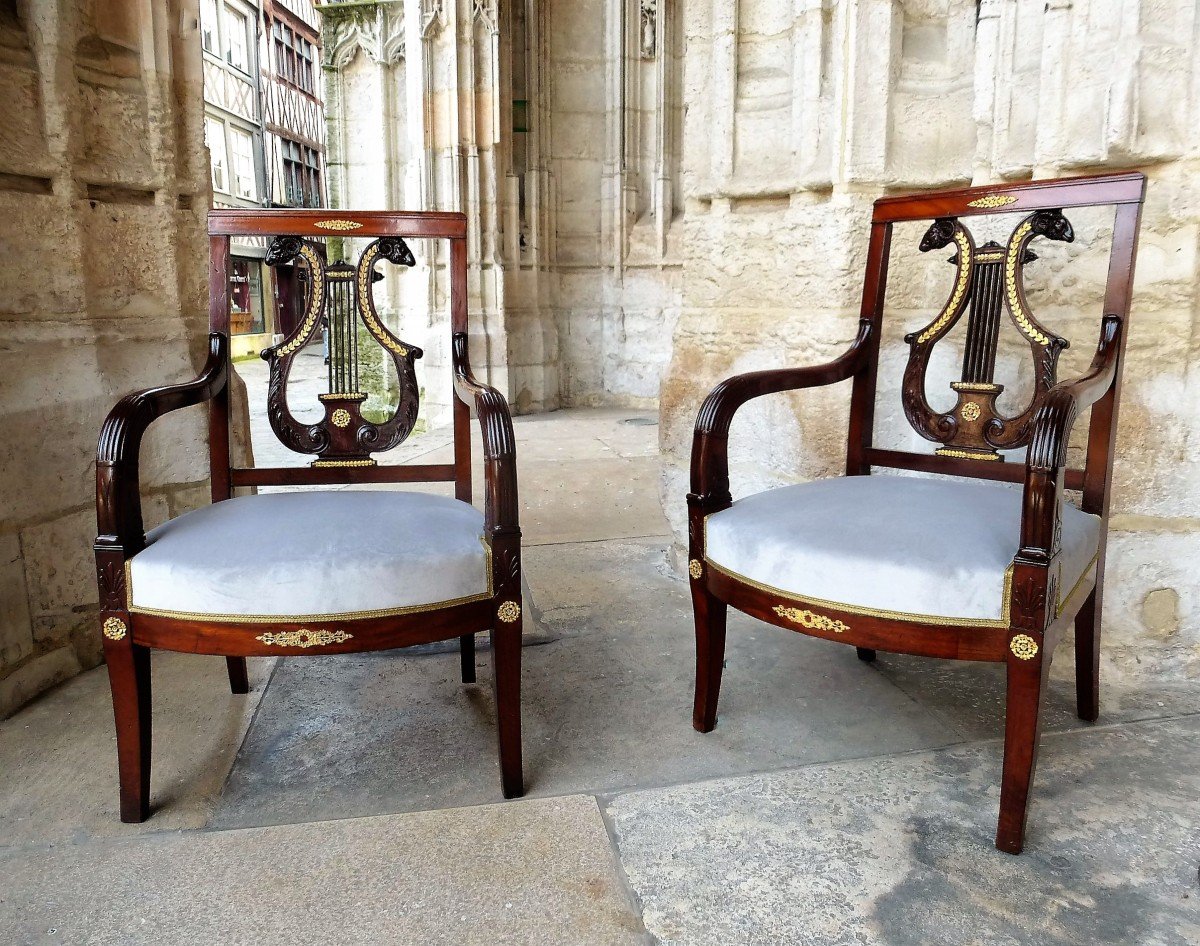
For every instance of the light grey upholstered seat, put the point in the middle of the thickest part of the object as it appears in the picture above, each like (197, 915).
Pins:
(313, 554)
(910, 547)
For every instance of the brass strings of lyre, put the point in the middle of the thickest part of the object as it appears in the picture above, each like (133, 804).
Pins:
(342, 325)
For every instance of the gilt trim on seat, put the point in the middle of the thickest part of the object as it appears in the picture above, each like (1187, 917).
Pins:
(288, 618)
(877, 612)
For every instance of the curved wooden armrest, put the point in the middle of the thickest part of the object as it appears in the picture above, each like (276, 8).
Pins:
(499, 444)
(710, 446)
(1052, 426)
(118, 500)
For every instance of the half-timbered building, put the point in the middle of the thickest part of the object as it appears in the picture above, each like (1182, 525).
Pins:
(265, 129)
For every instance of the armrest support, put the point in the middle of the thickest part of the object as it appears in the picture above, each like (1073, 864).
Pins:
(499, 443)
(1052, 425)
(710, 447)
(118, 500)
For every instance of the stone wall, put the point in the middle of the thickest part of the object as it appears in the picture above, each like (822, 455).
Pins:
(556, 126)
(615, 71)
(800, 114)
(103, 191)
(419, 102)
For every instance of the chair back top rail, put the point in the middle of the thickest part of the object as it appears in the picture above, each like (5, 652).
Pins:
(1096, 190)
(338, 223)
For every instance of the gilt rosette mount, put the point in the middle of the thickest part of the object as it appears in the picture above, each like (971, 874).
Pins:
(340, 303)
(988, 283)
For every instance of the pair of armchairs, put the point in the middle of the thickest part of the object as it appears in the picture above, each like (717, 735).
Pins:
(956, 565)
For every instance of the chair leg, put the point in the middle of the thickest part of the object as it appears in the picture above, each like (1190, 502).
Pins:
(866, 654)
(466, 657)
(710, 614)
(239, 679)
(129, 677)
(506, 682)
(1087, 657)
(1022, 731)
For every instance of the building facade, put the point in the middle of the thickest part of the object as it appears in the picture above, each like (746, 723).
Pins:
(437, 105)
(264, 127)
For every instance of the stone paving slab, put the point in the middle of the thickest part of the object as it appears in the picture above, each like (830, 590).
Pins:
(898, 850)
(970, 695)
(58, 756)
(519, 873)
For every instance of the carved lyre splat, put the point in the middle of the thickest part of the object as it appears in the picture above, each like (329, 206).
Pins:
(987, 280)
(339, 297)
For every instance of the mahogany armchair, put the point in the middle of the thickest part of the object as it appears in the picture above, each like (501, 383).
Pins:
(959, 565)
(317, 571)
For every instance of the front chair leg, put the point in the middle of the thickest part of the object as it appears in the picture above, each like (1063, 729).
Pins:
(710, 613)
(466, 657)
(506, 681)
(239, 679)
(129, 676)
(1087, 657)
(1022, 731)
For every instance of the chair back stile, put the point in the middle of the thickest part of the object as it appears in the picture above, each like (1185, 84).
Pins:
(1102, 434)
(988, 281)
(218, 408)
(862, 396)
(340, 293)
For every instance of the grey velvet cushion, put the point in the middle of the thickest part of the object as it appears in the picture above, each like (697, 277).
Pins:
(317, 553)
(904, 546)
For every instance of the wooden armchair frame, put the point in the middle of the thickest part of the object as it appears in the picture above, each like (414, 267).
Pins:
(1027, 644)
(129, 636)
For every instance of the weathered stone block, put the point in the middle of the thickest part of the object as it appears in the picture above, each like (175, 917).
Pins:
(59, 563)
(130, 268)
(38, 228)
(16, 638)
(115, 137)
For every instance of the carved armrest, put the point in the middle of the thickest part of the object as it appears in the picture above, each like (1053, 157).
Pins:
(118, 499)
(499, 444)
(1052, 424)
(710, 446)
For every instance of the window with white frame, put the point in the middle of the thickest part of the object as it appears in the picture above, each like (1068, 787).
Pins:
(214, 137)
(237, 41)
(242, 148)
(208, 27)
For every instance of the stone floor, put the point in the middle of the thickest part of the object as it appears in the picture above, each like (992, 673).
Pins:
(355, 799)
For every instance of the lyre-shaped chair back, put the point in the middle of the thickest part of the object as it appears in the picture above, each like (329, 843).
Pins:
(340, 300)
(988, 283)
(988, 288)
(352, 423)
